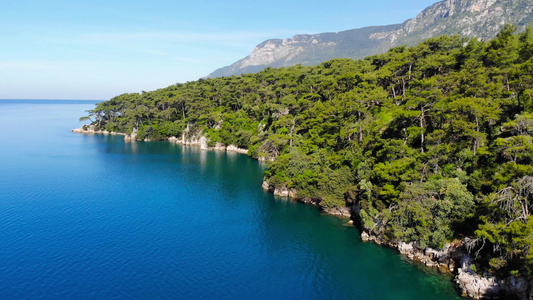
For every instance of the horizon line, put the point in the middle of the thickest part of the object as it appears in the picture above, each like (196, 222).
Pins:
(44, 99)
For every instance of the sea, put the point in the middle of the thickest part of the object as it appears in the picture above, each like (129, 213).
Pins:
(95, 217)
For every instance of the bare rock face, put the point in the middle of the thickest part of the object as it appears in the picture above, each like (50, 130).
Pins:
(481, 19)
(338, 211)
(475, 286)
(203, 143)
(271, 51)
(267, 186)
(132, 137)
(280, 53)
(284, 51)
(233, 148)
(285, 192)
(281, 192)
(442, 259)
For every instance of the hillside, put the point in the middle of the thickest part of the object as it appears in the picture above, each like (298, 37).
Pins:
(481, 19)
(424, 145)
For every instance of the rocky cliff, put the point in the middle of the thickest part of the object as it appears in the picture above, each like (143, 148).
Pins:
(308, 50)
(481, 19)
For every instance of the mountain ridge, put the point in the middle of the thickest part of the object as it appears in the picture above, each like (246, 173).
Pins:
(480, 19)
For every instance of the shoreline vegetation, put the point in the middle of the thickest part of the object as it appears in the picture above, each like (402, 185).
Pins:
(444, 260)
(428, 149)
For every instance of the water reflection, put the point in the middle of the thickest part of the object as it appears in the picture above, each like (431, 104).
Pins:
(203, 161)
(131, 145)
(248, 239)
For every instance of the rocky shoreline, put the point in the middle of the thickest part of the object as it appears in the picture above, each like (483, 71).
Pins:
(343, 212)
(202, 142)
(192, 141)
(453, 258)
(89, 129)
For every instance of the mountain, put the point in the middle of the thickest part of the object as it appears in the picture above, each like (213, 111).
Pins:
(481, 19)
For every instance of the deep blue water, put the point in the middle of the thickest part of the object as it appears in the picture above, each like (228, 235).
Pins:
(93, 217)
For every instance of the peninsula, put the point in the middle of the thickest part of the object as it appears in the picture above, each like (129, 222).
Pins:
(429, 148)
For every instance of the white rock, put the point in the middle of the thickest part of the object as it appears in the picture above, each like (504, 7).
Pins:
(405, 248)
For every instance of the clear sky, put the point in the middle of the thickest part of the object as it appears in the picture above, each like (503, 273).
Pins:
(97, 49)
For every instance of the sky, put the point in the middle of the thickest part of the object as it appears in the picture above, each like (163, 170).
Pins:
(94, 49)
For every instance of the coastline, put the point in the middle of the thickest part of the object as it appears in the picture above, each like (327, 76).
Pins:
(342, 212)
(194, 141)
(90, 130)
(452, 259)
(202, 142)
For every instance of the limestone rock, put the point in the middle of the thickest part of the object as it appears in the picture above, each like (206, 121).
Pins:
(284, 192)
(369, 237)
(91, 129)
(234, 148)
(265, 159)
(338, 211)
(267, 186)
(475, 286)
(481, 19)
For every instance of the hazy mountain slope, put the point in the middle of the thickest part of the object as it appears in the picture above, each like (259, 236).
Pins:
(309, 49)
(471, 18)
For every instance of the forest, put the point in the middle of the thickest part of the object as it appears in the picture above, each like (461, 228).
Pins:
(432, 143)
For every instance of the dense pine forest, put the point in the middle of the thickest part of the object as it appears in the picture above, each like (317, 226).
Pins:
(432, 143)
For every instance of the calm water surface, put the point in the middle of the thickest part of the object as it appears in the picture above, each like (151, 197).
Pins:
(93, 217)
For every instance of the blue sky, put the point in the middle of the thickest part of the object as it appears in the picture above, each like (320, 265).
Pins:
(97, 49)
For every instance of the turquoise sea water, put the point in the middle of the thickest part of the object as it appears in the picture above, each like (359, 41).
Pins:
(93, 217)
